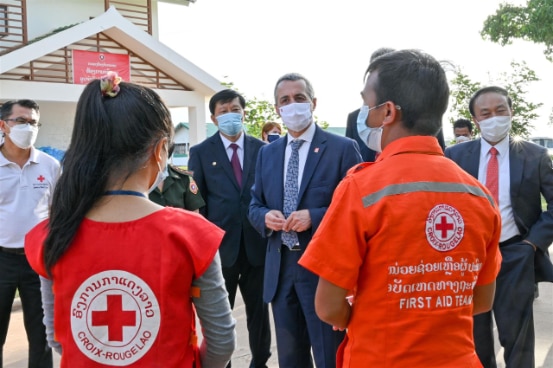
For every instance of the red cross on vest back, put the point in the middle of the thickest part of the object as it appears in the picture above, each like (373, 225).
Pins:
(492, 175)
(115, 318)
(444, 226)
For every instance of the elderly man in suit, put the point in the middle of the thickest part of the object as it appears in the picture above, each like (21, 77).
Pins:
(294, 181)
(517, 173)
(223, 166)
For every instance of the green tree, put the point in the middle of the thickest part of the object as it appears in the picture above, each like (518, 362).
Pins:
(462, 88)
(533, 22)
(258, 112)
(516, 83)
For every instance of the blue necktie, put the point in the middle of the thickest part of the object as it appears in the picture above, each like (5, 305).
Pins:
(290, 239)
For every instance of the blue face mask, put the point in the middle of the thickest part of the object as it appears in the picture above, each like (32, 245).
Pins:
(272, 137)
(230, 123)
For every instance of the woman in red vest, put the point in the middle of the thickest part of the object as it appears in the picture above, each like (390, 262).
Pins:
(127, 275)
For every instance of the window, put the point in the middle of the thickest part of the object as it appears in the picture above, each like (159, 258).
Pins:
(3, 20)
(181, 149)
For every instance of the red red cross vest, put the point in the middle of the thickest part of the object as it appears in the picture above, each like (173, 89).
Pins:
(122, 290)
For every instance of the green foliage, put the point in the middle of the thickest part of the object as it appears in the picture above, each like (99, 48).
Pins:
(533, 22)
(462, 88)
(524, 110)
(516, 83)
(258, 112)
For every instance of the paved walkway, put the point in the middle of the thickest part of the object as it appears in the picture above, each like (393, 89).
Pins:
(15, 350)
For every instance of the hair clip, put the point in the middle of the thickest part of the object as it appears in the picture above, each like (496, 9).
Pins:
(109, 84)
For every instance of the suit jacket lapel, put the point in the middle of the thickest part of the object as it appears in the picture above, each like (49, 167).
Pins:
(516, 165)
(249, 159)
(220, 153)
(472, 158)
(278, 162)
(316, 151)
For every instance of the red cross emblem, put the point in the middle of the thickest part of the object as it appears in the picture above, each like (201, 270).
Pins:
(41, 178)
(115, 318)
(444, 226)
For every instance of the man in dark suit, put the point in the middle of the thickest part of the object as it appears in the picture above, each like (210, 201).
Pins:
(353, 126)
(312, 162)
(524, 174)
(224, 166)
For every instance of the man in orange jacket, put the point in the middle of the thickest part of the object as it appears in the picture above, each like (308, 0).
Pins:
(411, 238)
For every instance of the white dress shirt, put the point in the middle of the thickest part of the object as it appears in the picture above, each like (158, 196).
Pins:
(508, 225)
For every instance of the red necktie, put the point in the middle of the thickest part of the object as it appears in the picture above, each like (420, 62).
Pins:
(235, 163)
(492, 175)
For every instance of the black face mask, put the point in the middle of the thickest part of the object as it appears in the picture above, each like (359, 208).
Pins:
(272, 137)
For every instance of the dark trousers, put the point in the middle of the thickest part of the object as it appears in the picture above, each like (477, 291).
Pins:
(513, 311)
(16, 274)
(298, 329)
(250, 280)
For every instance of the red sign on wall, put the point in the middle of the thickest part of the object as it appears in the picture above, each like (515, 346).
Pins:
(88, 65)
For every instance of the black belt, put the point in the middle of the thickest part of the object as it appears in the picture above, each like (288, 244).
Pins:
(514, 239)
(295, 248)
(18, 251)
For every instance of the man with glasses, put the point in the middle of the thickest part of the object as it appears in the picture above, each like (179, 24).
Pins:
(27, 179)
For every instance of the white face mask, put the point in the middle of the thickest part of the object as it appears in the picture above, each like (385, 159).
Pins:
(161, 175)
(461, 139)
(371, 136)
(296, 116)
(496, 128)
(23, 135)
(374, 138)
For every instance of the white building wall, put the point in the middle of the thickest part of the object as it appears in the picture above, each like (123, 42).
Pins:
(57, 124)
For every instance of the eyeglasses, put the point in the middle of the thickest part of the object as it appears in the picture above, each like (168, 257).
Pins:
(20, 121)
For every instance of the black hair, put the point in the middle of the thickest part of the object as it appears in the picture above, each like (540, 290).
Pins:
(112, 138)
(224, 96)
(7, 107)
(463, 123)
(416, 82)
(490, 89)
(381, 51)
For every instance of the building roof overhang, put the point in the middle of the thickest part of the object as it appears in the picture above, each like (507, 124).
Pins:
(121, 30)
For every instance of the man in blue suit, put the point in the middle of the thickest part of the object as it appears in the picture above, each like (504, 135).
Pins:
(289, 221)
(524, 174)
(223, 166)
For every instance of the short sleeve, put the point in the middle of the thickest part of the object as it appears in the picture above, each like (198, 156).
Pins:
(492, 264)
(336, 255)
